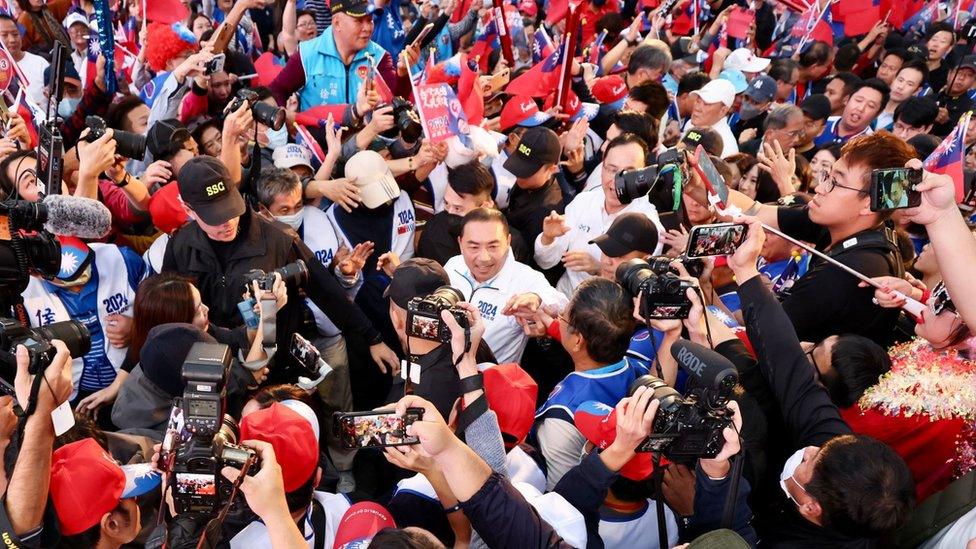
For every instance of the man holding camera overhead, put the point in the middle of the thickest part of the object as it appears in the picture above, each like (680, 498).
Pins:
(226, 240)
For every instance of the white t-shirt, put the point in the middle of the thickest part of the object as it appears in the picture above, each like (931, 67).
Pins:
(335, 505)
(33, 68)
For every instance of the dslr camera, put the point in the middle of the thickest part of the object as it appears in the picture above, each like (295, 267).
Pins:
(74, 334)
(127, 144)
(663, 293)
(269, 115)
(657, 181)
(685, 428)
(406, 121)
(201, 439)
(28, 248)
(424, 314)
(293, 273)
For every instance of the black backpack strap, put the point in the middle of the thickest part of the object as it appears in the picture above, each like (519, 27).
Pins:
(318, 523)
(883, 239)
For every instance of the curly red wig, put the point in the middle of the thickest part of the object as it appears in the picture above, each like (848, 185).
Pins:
(166, 42)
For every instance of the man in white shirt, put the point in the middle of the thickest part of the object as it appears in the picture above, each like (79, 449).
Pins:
(31, 65)
(567, 237)
(77, 25)
(505, 291)
(712, 105)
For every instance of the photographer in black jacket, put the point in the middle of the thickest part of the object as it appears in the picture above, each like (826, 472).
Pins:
(839, 489)
(226, 240)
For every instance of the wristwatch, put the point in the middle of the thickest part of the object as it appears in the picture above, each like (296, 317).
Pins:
(124, 182)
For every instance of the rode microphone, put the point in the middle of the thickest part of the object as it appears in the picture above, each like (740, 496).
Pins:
(712, 370)
(76, 216)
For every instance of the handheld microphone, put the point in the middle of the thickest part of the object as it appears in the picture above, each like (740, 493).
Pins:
(713, 370)
(76, 216)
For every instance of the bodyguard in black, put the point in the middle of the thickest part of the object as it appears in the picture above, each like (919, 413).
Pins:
(226, 240)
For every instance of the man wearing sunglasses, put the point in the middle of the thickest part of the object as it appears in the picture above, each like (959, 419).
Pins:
(838, 221)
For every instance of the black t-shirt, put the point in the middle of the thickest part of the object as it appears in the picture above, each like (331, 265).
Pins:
(439, 239)
(956, 107)
(827, 300)
(527, 209)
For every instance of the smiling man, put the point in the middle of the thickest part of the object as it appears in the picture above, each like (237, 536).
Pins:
(859, 111)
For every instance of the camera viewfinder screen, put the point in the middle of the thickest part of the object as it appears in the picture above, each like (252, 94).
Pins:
(715, 240)
(377, 430)
(425, 327)
(893, 188)
(196, 484)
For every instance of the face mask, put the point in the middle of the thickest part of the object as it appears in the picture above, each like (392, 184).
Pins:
(294, 220)
(748, 111)
(68, 106)
(789, 468)
(277, 138)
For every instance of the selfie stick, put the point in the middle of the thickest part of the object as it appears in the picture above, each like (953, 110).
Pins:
(913, 306)
(308, 384)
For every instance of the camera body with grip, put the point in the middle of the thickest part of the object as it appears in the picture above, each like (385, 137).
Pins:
(424, 314)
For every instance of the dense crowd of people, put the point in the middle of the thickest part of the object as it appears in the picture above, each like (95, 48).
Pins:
(432, 273)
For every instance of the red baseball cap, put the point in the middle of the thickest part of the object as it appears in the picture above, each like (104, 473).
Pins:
(295, 444)
(360, 523)
(166, 209)
(87, 482)
(610, 90)
(575, 108)
(511, 394)
(598, 423)
(521, 110)
(528, 8)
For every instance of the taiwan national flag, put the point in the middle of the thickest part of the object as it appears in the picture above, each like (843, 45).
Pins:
(541, 45)
(947, 158)
(313, 116)
(923, 18)
(304, 137)
(541, 80)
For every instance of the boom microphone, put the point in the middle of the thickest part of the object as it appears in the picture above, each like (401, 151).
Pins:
(76, 216)
(713, 370)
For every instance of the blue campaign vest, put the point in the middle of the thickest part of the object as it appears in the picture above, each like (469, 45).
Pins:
(607, 385)
(327, 80)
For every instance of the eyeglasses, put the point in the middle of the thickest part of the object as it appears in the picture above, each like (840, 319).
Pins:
(565, 320)
(830, 181)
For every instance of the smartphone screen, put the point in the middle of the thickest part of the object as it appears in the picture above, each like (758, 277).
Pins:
(304, 352)
(376, 429)
(710, 176)
(718, 239)
(894, 188)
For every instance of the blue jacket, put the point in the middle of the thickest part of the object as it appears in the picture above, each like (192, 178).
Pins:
(328, 81)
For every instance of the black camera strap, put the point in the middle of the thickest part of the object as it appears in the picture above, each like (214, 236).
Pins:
(728, 515)
(658, 479)
(318, 523)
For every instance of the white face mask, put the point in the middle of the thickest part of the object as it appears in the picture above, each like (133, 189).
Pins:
(294, 220)
(789, 468)
(67, 107)
(277, 138)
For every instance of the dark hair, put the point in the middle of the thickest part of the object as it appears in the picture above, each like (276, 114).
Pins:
(917, 112)
(5, 17)
(936, 28)
(115, 116)
(397, 538)
(267, 396)
(8, 187)
(90, 537)
(625, 139)
(613, 23)
(918, 65)
(632, 491)
(863, 486)
(161, 299)
(485, 215)
(602, 314)
(652, 94)
(743, 162)
(692, 81)
(710, 139)
(804, 173)
(649, 57)
(852, 82)
(924, 144)
(877, 85)
(300, 13)
(638, 123)
(782, 69)
(847, 56)
(900, 53)
(856, 363)
(817, 54)
(275, 181)
(767, 191)
(299, 498)
(471, 178)
(197, 133)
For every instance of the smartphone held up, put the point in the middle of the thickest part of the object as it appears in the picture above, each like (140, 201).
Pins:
(376, 429)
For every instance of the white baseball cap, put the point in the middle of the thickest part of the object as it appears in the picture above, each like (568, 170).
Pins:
(565, 519)
(376, 183)
(717, 91)
(744, 60)
(291, 155)
(75, 17)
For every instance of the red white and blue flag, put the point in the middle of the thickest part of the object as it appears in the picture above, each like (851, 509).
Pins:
(923, 18)
(947, 158)
(542, 45)
(541, 80)
(304, 137)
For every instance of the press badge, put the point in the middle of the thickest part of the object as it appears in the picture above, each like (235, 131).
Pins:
(414, 371)
(849, 242)
(63, 419)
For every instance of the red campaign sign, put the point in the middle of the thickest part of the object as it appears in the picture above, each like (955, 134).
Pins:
(739, 22)
(6, 71)
(440, 111)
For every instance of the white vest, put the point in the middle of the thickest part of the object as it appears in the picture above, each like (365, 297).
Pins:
(335, 505)
(114, 295)
(639, 532)
(320, 237)
(522, 468)
(404, 227)
(504, 180)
